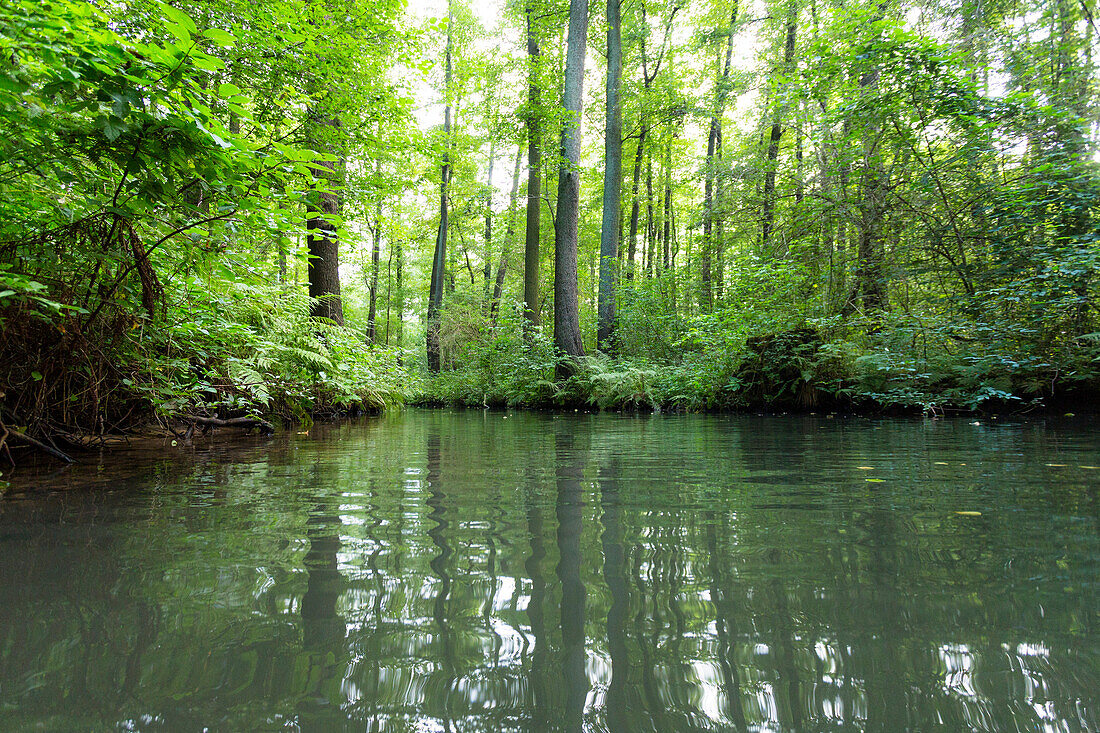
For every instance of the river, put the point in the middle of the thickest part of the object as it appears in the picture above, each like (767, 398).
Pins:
(438, 570)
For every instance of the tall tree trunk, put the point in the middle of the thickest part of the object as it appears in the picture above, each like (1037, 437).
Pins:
(721, 91)
(666, 238)
(567, 325)
(376, 254)
(634, 201)
(439, 261)
(870, 277)
(502, 268)
(488, 268)
(612, 181)
(323, 267)
(534, 177)
(768, 218)
(650, 224)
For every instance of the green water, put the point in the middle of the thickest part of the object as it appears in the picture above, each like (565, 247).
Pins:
(466, 571)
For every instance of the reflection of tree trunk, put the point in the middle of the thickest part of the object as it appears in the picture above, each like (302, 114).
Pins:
(323, 628)
(614, 566)
(569, 473)
(788, 672)
(440, 565)
(884, 673)
(725, 626)
(654, 706)
(533, 567)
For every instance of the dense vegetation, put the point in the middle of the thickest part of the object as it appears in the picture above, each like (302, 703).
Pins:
(244, 208)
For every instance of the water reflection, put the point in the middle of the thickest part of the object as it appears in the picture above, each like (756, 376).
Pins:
(480, 571)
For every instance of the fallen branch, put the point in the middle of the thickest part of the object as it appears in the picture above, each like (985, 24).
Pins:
(9, 434)
(247, 423)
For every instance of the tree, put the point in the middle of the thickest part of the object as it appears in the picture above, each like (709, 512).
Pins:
(567, 326)
(323, 208)
(439, 260)
(612, 180)
(534, 174)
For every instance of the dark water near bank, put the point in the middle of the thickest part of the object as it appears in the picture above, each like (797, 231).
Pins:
(443, 571)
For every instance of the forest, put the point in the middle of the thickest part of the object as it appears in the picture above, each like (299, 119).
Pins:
(250, 210)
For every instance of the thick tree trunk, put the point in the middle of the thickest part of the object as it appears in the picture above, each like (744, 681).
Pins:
(323, 268)
(612, 182)
(567, 326)
(439, 261)
(534, 178)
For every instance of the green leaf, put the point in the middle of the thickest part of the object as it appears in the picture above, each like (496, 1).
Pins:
(220, 37)
(207, 63)
(228, 90)
(178, 16)
(179, 32)
(113, 127)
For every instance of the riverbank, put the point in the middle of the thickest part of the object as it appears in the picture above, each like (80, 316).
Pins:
(800, 370)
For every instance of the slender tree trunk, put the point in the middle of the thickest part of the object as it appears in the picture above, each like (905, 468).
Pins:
(376, 254)
(502, 268)
(721, 91)
(534, 177)
(650, 224)
(323, 268)
(634, 202)
(488, 268)
(612, 182)
(399, 292)
(870, 286)
(666, 239)
(439, 261)
(768, 218)
(567, 326)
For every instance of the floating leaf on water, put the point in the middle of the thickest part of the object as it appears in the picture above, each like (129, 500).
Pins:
(1090, 468)
(303, 432)
(865, 468)
(941, 463)
(875, 480)
(1056, 465)
(969, 514)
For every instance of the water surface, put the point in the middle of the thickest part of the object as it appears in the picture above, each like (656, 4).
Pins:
(469, 571)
